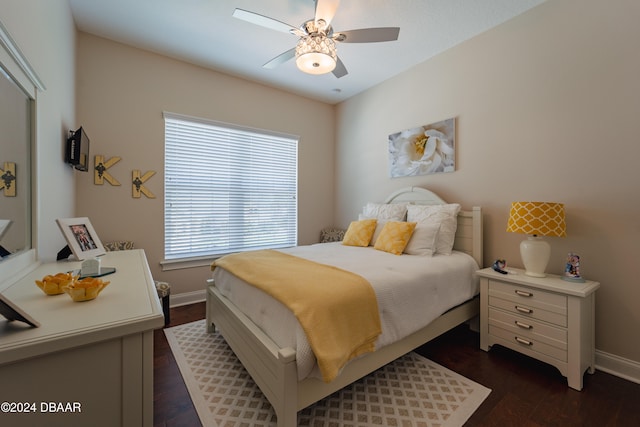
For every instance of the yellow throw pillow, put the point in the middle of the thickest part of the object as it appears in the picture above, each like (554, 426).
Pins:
(394, 236)
(359, 233)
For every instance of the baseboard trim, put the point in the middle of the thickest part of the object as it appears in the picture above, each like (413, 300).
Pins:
(185, 298)
(618, 366)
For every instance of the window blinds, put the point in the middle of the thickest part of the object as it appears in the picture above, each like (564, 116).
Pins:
(227, 188)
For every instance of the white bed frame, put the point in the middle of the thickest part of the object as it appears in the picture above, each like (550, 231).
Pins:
(274, 369)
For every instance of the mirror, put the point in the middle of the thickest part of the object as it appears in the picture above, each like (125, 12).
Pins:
(19, 86)
(15, 170)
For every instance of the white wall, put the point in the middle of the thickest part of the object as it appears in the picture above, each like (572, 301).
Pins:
(122, 92)
(547, 109)
(45, 33)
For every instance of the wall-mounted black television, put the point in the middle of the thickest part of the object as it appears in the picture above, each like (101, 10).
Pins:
(77, 150)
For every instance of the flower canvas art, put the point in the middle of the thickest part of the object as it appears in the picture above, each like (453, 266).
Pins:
(423, 150)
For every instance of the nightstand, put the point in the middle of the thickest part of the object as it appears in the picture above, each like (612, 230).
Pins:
(547, 318)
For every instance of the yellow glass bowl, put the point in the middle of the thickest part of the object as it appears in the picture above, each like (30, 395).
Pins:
(86, 289)
(54, 284)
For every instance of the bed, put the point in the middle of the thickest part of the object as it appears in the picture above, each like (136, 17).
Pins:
(276, 368)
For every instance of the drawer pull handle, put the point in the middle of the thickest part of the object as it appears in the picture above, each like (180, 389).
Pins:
(523, 293)
(523, 325)
(523, 341)
(524, 309)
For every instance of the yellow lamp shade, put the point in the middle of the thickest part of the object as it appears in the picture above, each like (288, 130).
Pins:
(537, 218)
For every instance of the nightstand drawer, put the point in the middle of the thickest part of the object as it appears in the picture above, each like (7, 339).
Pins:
(529, 328)
(547, 300)
(529, 311)
(536, 303)
(520, 342)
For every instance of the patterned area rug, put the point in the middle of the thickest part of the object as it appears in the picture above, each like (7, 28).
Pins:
(411, 391)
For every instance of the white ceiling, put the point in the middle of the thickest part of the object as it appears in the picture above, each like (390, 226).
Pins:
(203, 32)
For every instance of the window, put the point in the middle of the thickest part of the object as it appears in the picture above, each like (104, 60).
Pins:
(227, 189)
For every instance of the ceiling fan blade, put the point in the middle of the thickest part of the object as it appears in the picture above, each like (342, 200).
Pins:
(264, 21)
(340, 70)
(281, 59)
(326, 10)
(368, 35)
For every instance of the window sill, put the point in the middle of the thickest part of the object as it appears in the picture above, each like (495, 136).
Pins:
(179, 264)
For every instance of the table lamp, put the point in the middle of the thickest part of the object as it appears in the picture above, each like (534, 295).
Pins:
(536, 219)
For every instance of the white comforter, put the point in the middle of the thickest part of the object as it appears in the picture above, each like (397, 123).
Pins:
(411, 290)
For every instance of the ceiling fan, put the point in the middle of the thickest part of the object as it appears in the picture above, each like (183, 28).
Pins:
(315, 52)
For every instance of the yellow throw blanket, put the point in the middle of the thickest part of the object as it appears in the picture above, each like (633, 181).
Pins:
(337, 309)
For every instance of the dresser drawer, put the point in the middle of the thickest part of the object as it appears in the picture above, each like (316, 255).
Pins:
(528, 328)
(531, 303)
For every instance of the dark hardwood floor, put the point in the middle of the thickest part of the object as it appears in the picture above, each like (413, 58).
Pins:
(525, 392)
(171, 402)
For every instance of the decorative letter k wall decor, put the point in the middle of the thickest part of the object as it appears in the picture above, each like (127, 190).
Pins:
(137, 187)
(101, 174)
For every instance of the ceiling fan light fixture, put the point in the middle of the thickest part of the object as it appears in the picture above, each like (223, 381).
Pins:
(316, 54)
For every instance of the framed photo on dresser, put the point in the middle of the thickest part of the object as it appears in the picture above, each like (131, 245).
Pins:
(81, 238)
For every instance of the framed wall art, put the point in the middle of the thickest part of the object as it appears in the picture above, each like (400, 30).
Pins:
(423, 150)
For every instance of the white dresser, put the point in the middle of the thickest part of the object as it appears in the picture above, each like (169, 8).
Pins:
(547, 318)
(89, 363)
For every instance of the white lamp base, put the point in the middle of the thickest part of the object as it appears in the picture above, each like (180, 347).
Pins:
(535, 254)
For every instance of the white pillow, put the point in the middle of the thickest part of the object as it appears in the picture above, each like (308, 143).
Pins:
(385, 211)
(423, 240)
(444, 215)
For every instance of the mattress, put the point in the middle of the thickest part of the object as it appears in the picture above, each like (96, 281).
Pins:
(412, 290)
